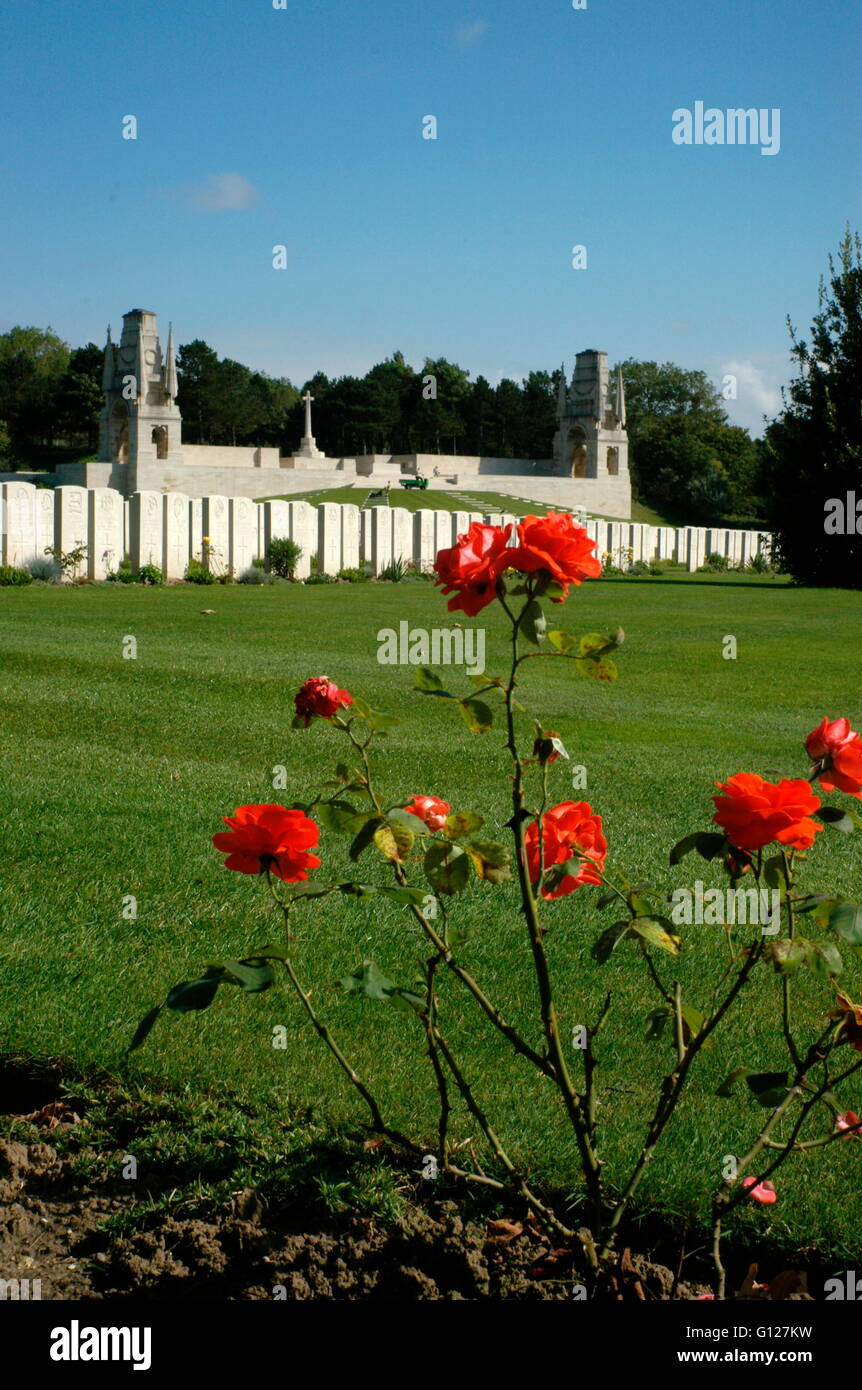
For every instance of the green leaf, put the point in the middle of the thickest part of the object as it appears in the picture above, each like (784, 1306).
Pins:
(824, 959)
(427, 680)
(369, 980)
(144, 1028)
(360, 707)
(839, 820)
(606, 899)
(478, 716)
(707, 844)
(394, 842)
(773, 872)
(253, 974)
(491, 860)
(650, 931)
(407, 821)
(430, 683)
(194, 994)
(462, 823)
(410, 897)
(786, 955)
(447, 868)
(846, 919)
(561, 641)
(605, 944)
(532, 623)
(693, 1020)
(362, 891)
(311, 890)
(337, 816)
(657, 1022)
(769, 1087)
(365, 837)
(342, 771)
(459, 936)
(820, 905)
(597, 670)
(727, 1085)
(593, 644)
(378, 721)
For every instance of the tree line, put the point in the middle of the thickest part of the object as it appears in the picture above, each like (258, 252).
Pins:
(686, 458)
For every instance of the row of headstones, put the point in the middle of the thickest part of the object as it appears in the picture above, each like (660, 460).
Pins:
(170, 529)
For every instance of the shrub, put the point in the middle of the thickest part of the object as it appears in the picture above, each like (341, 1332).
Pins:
(253, 575)
(197, 573)
(760, 564)
(150, 574)
(656, 569)
(395, 571)
(320, 579)
(43, 567)
(717, 560)
(70, 561)
(282, 556)
(354, 576)
(11, 575)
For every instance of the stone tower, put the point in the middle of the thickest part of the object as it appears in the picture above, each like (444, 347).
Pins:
(141, 421)
(591, 439)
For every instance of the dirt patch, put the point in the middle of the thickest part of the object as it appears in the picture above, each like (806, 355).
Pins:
(59, 1193)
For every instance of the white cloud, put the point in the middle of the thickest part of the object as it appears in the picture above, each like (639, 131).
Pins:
(222, 192)
(467, 34)
(758, 391)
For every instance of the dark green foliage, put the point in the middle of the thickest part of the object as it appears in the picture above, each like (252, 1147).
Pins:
(282, 556)
(813, 451)
(11, 575)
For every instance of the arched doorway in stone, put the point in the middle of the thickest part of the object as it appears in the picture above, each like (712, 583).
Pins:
(577, 450)
(160, 439)
(613, 463)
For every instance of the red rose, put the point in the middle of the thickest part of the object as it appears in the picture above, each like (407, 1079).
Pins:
(837, 750)
(762, 1192)
(569, 831)
(272, 837)
(431, 810)
(471, 568)
(752, 813)
(320, 697)
(556, 544)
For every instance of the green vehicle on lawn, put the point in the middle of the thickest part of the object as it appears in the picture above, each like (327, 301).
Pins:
(418, 481)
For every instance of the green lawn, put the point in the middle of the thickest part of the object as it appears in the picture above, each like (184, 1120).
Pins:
(118, 772)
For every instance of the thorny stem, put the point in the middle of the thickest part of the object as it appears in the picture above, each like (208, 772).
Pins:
(572, 1100)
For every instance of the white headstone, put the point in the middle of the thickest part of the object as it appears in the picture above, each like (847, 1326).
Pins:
(44, 519)
(216, 536)
(695, 547)
(242, 524)
(19, 523)
(460, 525)
(176, 538)
(146, 538)
(105, 518)
(402, 534)
(424, 538)
(349, 537)
(71, 522)
(381, 537)
(303, 525)
(328, 538)
(196, 528)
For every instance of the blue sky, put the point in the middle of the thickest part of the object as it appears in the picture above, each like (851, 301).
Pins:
(303, 127)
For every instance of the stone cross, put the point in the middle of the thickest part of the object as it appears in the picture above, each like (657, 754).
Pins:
(308, 398)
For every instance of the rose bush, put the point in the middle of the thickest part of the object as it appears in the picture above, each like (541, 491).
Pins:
(424, 856)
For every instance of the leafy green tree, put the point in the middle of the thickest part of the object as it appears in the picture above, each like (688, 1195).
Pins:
(813, 451)
(198, 389)
(80, 399)
(33, 362)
